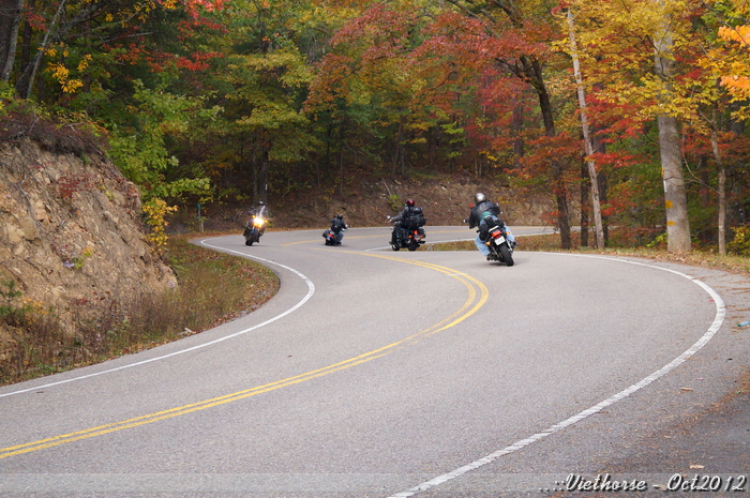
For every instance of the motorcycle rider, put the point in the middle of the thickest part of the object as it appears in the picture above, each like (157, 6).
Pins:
(261, 212)
(410, 218)
(337, 228)
(483, 213)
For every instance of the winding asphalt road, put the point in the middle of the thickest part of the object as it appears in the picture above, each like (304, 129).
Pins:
(376, 373)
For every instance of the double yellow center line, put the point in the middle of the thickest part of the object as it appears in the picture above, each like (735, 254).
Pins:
(477, 296)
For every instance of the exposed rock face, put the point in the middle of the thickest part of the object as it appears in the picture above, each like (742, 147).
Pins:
(70, 233)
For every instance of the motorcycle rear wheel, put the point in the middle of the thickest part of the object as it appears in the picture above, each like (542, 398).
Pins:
(505, 255)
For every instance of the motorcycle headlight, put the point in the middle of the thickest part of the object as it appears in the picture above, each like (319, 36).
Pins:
(258, 221)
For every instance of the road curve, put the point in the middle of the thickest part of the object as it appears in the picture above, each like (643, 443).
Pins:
(388, 374)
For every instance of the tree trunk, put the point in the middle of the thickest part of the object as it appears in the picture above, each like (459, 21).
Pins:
(516, 127)
(265, 166)
(585, 188)
(722, 210)
(255, 169)
(722, 188)
(396, 150)
(27, 79)
(401, 147)
(25, 84)
(675, 196)
(342, 141)
(533, 70)
(602, 177)
(10, 21)
(530, 71)
(26, 37)
(588, 145)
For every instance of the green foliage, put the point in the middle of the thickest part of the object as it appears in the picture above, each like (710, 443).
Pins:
(7, 93)
(659, 242)
(740, 244)
(394, 201)
(140, 149)
(222, 100)
(79, 261)
(11, 311)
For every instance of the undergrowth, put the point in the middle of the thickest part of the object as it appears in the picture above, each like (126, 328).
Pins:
(213, 288)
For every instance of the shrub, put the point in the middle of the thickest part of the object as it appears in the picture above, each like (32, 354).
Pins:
(740, 244)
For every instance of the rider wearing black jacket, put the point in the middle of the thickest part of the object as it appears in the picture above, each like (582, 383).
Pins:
(482, 209)
(484, 212)
(411, 215)
(337, 223)
(337, 228)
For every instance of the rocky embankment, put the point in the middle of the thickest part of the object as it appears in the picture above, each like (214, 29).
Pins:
(71, 238)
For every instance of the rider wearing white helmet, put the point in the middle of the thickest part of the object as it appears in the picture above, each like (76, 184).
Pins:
(484, 208)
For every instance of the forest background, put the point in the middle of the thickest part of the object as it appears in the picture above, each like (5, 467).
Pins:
(633, 111)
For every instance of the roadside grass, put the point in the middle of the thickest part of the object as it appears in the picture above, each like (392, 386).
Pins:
(212, 288)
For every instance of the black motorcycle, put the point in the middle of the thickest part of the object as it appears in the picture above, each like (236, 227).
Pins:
(332, 238)
(500, 247)
(254, 229)
(407, 238)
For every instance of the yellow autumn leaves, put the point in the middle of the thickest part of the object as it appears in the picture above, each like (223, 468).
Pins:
(62, 74)
(738, 81)
(156, 211)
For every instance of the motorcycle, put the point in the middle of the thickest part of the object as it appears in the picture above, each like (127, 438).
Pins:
(500, 248)
(407, 238)
(254, 229)
(331, 237)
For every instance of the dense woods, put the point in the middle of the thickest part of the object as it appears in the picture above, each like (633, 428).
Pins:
(626, 114)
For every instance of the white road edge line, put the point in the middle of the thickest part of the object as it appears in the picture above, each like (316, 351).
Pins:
(713, 329)
(310, 292)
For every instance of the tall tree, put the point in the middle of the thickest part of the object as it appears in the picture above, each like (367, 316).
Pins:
(522, 41)
(675, 196)
(368, 79)
(10, 22)
(57, 29)
(633, 47)
(587, 139)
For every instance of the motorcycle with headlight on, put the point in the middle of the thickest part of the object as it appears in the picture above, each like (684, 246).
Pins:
(256, 226)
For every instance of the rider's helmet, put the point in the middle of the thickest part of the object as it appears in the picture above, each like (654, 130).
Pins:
(410, 203)
(480, 197)
(340, 216)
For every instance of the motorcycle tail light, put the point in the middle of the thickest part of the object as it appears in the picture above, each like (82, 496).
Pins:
(496, 234)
